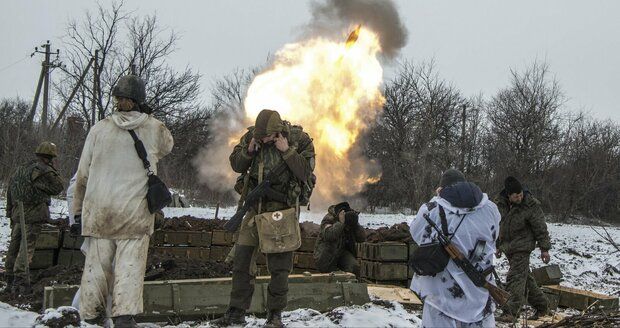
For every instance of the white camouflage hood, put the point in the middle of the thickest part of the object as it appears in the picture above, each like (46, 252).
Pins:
(129, 120)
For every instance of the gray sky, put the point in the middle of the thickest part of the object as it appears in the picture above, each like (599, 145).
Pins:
(474, 43)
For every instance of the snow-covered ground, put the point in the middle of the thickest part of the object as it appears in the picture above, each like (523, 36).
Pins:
(587, 262)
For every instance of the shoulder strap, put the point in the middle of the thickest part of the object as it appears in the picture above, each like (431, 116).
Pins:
(140, 150)
(444, 222)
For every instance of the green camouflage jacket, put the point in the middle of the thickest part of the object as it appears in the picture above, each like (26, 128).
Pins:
(33, 183)
(300, 164)
(334, 237)
(522, 226)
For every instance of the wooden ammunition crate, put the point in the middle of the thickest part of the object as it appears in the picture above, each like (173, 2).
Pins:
(219, 253)
(263, 271)
(196, 298)
(581, 299)
(71, 242)
(307, 244)
(197, 253)
(384, 270)
(547, 275)
(303, 260)
(398, 283)
(182, 238)
(222, 238)
(68, 257)
(383, 252)
(43, 259)
(48, 239)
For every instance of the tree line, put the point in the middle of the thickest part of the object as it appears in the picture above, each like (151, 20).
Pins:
(570, 161)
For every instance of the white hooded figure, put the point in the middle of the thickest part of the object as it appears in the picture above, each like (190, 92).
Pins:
(110, 196)
(450, 298)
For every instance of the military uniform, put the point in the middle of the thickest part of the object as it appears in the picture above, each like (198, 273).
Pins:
(288, 187)
(522, 228)
(32, 184)
(335, 247)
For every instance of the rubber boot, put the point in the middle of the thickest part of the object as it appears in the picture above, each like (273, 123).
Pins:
(124, 321)
(274, 319)
(232, 317)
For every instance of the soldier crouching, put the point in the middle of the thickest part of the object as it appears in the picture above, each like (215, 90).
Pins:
(335, 248)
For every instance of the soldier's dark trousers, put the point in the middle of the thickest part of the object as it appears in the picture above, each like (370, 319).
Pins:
(279, 266)
(14, 258)
(520, 283)
(348, 263)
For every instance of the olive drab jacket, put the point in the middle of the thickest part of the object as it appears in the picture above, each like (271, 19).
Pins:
(335, 237)
(522, 226)
(33, 184)
(299, 160)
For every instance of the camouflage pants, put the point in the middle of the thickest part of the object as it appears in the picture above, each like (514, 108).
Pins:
(279, 266)
(521, 284)
(14, 257)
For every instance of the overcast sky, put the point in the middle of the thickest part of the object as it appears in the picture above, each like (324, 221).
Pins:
(474, 43)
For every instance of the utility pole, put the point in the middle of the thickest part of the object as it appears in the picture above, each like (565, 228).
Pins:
(95, 88)
(46, 67)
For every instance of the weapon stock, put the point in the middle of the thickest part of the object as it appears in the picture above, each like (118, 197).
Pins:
(499, 295)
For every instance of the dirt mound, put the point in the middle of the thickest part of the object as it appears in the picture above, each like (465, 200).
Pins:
(167, 267)
(56, 275)
(64, 316)
(398, 232)
(190, 223)
(309, 229)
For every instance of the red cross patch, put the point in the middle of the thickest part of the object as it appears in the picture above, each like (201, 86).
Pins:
(277, 216)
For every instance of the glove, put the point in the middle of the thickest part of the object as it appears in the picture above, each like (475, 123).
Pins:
(76, 228)
(351, 218)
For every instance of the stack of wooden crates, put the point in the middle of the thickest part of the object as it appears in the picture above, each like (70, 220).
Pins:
(385, 263)
(200, 245)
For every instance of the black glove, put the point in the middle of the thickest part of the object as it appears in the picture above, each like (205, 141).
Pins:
(351, 218)
(76, 228)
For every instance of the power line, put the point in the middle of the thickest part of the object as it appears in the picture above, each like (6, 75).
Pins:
(15, 63)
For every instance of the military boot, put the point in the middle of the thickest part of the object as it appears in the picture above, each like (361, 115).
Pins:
(124, 321)
(274, 319)
(232, 317)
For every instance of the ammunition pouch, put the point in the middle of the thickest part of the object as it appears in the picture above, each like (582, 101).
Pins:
(429, 259)
(278, 232)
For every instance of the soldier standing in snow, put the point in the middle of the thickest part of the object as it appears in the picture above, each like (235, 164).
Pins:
(335, 248)
(522, 228)
(471, 220)
(32, 184)
(110, 202)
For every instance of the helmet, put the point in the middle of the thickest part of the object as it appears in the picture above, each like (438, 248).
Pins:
(268, 122)
(47, 148)
(130, 86)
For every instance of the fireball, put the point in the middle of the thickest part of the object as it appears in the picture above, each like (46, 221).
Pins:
(332, 89)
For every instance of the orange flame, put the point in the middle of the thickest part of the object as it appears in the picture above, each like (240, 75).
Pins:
(332, 89)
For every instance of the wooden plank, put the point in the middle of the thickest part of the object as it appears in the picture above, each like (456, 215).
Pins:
(547, 275)
(68, 257)
(222, 238)
(219, 253)
(42, 259)
(394, 293)
(48, 239)
(384, 252)
(303, 260)
(182, 238)
(581, 299)
(197, 253)
(384, 270)
(307, 244)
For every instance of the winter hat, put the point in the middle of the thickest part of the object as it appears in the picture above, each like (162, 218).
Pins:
(450, 177)
(267, 122)
(344, 206)
(512, 185)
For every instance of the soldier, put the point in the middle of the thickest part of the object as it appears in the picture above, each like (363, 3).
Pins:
(32, 184)
(522, 228)
(264, 147)
(335, 248)
(471, 220)
(110, 205)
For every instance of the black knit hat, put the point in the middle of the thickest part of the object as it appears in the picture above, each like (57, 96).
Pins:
(450, 177)
(344, 206)
(512, 185)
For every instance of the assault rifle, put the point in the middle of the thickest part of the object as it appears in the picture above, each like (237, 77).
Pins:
(262, 190)
(499, 295)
